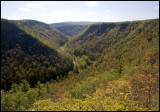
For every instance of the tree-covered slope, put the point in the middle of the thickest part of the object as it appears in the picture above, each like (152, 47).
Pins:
(123, 77)
(72, 23)
(98, 39)
(43, 32)
(116, 68)
(71, 28)
(25, 57)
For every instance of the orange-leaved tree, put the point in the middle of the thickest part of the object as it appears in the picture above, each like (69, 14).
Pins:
(144, 87)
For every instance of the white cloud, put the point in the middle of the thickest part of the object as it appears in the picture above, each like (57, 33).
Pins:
(90, 12)
(34, 5)
(117, 14)
(92, 3)
(108, 11)
(58, 15)
(70, 15)
(24, 9)
(157, 7)
(110, 18)
(31, 6)
(15, 17)
(62, 12)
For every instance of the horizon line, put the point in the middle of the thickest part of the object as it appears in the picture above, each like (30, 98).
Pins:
(80, 21)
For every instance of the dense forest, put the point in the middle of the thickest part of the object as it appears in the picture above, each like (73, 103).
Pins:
(25, 57)
(71, 28)
(43, 32)
(109, 36)
(105, 67)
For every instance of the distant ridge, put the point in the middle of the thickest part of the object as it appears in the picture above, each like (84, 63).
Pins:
(73, 23)
(72, 28)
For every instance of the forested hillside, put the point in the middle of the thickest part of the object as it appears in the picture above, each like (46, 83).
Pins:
(71, 28)
(98, 39)
(43, 32)
(25, 57)
(72, 23)
(116, 68)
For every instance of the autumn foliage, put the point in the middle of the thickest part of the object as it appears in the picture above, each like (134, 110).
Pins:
(144, 87)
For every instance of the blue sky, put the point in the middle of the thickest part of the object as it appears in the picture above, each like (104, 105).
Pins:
(97, 11)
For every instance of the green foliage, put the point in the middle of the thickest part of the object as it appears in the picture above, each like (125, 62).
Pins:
(99, 102)
(105, 57)
(24, 86)
(41, 88)
(70, 30)
(43, 32)
(24, 57)
(119, 68)
(81, 63)
(145, 88)
(21, 96)
(112, 36)
(91, 84)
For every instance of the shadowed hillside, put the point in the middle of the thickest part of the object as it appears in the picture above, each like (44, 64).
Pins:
(25, 57)
(116, 68)
(43, 32)
(71, 28)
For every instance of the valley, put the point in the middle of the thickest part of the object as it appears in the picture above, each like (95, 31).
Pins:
(84, 66)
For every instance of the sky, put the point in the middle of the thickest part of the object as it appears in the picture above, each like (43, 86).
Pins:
(95, 11)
